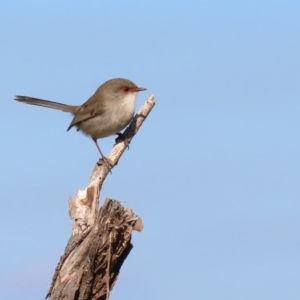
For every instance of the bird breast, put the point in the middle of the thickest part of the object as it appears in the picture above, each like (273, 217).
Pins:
(116, 116)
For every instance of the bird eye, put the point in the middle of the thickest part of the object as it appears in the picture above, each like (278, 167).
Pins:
(126, 89)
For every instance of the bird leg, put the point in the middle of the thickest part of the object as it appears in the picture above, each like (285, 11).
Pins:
(121, 138)
(106, 160)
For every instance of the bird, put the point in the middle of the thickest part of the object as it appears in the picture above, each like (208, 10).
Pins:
(108, 111)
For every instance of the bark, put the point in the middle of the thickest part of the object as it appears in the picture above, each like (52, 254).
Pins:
(101, 236)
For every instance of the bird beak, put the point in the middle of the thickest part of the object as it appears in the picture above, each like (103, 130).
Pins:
(139, 89)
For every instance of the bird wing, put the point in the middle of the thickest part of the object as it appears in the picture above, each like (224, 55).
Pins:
(88, 110)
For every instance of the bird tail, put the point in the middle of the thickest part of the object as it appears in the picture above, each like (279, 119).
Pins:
(46, 103)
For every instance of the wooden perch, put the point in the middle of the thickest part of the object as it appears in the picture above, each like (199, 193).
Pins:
(101, 237)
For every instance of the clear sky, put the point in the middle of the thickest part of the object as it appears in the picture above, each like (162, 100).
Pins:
(214, 172)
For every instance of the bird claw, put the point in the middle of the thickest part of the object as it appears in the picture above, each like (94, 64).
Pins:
(107, 162)
(121, 138)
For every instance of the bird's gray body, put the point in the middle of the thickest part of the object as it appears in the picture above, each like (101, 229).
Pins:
(108, 111)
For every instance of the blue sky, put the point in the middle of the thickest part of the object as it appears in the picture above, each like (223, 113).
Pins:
(214, 171)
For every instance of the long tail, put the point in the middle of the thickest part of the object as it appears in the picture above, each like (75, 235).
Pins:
(46, 103)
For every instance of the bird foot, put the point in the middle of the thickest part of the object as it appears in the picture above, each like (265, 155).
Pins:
(107, 162)
(121, 138)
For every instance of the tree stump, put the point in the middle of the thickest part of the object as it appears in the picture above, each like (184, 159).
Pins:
(101, 236)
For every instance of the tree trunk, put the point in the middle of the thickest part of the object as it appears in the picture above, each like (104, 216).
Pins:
(101, 237)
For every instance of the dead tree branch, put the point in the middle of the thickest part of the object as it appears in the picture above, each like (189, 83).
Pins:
(101, 237)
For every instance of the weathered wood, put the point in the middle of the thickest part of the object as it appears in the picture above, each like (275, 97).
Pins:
(101, 237)
(92, 260)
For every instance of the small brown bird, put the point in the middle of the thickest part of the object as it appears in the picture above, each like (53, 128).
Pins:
(105, 113)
